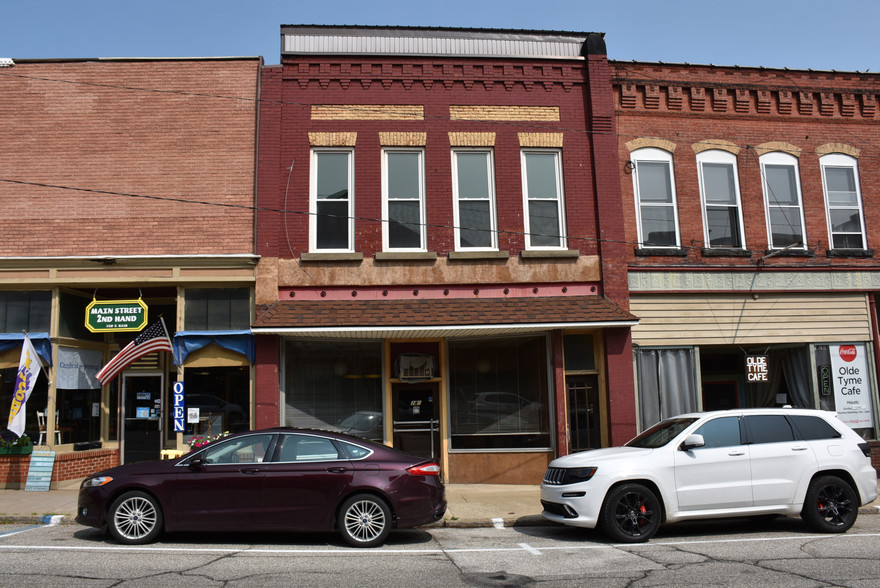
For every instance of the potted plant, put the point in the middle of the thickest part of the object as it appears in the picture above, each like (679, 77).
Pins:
(12, 446)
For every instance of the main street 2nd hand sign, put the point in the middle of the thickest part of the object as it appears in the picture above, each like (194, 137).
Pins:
(116, 315)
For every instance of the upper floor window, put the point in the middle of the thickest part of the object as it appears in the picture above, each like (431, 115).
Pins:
(843, 201)
(782, 197)
(542, 192)
(217, 309)
(656, 208)
(403, 199)
(25, 310)
(719, 192)
(331, 226)
(473, 189)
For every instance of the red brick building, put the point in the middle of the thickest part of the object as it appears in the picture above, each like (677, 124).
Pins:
(440, 237)
(127, 180)
(752, 236)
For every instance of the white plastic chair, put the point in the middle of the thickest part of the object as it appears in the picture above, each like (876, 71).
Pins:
(41, 420)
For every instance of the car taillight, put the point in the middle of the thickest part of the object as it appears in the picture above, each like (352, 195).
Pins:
(866, 449)
(426, 469)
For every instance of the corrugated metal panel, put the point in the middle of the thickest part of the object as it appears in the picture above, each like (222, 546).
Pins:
(728, 320)
(492, 46)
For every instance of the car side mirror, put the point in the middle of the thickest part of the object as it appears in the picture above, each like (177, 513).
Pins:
(197, 464)
(692, 442)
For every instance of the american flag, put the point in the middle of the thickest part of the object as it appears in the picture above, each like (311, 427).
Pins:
(153, 338)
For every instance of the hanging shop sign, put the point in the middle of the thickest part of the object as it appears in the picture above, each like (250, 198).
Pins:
(757, 368)
(852, 385)
(116, 315)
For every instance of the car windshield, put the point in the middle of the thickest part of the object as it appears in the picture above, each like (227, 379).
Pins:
(661, 433)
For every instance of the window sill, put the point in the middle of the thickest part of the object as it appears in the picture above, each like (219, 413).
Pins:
(850, 253)
(332, 257)
(660, 252)
(725, 252)
(405, 256)
(471, 255)
(789, 253)
(550, 253)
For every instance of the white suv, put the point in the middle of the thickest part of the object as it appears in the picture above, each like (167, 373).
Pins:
(776, 461)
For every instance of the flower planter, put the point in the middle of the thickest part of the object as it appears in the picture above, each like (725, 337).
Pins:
(17, 450)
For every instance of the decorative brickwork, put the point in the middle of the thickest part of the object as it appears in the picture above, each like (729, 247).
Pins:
(642, 142)
(332, 139)
(403, 139)
(367, 112)
(707, 144)
(540, 139)
(837, 148)
(471, 139)
(526, 113)
(772, 146)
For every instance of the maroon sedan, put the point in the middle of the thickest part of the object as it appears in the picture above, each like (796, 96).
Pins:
(275, 479)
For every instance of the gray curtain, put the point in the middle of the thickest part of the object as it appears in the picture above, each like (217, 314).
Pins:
(793, 367)
(667, 383)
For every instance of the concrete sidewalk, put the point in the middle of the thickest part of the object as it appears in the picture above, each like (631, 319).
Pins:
(469, 505)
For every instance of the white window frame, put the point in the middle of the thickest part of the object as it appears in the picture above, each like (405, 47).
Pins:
(313, 200)
(493, 226)
(782, 159)
(419, 197)
(559, 199)
(839, 160)
(719, 157)
(654, 155)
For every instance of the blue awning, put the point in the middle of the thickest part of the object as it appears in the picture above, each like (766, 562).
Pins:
(185, 342)
(42, 344)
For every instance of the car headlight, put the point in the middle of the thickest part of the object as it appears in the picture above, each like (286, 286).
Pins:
(575, 475)
(97, 481)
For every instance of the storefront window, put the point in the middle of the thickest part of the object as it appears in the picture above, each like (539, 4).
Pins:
(222, 397)
(499, 394)
(79, 415)
(667, 383)
(25, 311)
(333, 385)
(37, 402)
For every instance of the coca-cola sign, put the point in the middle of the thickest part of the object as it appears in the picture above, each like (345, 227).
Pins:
(852, 385)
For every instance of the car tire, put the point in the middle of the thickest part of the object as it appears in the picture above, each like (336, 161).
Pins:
(830, 506)
(630, 514)
(364, 520)
(135, 518)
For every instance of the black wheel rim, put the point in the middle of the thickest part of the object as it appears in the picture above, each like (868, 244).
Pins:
(634, 514)
(834, 505)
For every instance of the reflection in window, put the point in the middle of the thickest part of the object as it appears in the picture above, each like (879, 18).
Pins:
(723, 432)
(782, 196)
(542, 187)
(404, 199)
(844, 201)
(249, 449)
(332, 200)
(222, 397)
(473, 189)
(328, 383)
(721, 203)
(655, 198)
(499, 393)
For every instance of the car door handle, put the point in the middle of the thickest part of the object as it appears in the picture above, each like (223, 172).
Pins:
(337, 470)
(250, 471)
(736, 453)
(798, 448)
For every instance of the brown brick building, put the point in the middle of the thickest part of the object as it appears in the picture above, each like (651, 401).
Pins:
(753, 208)
(125, 180)
(440, 235)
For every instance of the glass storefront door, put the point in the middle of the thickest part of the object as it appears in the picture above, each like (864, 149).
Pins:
(415, 418)
(142, 417)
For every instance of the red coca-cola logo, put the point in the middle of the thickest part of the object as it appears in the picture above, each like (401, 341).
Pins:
(847, 352)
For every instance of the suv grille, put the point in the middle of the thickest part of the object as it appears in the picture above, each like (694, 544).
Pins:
(555, 476)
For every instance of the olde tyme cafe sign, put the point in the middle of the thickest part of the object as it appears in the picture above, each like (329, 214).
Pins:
(116, 315)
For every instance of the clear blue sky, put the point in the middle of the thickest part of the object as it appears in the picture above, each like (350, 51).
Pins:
(798, 34)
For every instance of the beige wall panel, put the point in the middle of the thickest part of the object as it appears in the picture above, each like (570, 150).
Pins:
(728, 320)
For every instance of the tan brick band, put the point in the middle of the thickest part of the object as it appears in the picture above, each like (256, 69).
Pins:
(472, 139)
(332, 139)
(707, 144)
(367, 112)
(403, 139)
(540, 139)
(643, 142)
(765, 148)
(530, 113)
(837, 148)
